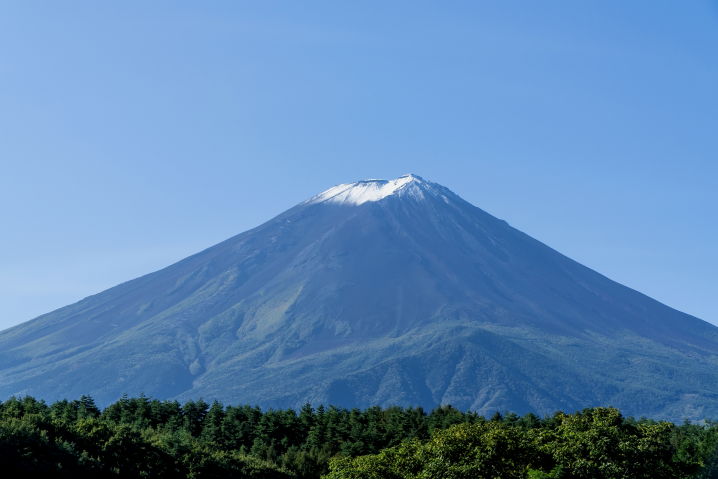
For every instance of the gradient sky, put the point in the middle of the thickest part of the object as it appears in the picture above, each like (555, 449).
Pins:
(134, 133)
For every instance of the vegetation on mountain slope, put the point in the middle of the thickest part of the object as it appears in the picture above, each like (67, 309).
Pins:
(142, 437)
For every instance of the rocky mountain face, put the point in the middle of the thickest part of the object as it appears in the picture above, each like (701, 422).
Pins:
(375, 293)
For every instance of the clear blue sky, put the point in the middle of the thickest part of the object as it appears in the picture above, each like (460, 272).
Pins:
(134, 133)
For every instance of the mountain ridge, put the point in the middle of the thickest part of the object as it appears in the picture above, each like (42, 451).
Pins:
(371, 293)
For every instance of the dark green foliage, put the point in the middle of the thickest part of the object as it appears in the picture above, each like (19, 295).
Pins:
(593, 444)
(143, 437)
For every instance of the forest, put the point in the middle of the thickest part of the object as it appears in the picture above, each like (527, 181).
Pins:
(144, 437)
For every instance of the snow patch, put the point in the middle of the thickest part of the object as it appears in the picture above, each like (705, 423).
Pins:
(368, 190)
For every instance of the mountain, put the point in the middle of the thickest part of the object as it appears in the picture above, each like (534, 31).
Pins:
(375, 293)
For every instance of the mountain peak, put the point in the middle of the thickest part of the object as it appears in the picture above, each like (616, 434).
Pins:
(364, 191)
(417, 299)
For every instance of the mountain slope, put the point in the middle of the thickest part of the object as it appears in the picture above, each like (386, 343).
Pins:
(375, 292)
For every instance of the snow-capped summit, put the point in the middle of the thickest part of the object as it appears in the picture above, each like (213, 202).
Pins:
(414, 298)
(360, 192)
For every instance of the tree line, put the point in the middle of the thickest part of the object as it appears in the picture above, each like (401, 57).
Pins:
(144, 437)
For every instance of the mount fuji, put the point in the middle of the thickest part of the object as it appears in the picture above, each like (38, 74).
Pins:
(375, 293)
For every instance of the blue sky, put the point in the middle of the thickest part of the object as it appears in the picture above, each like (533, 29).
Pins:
(135, 133)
